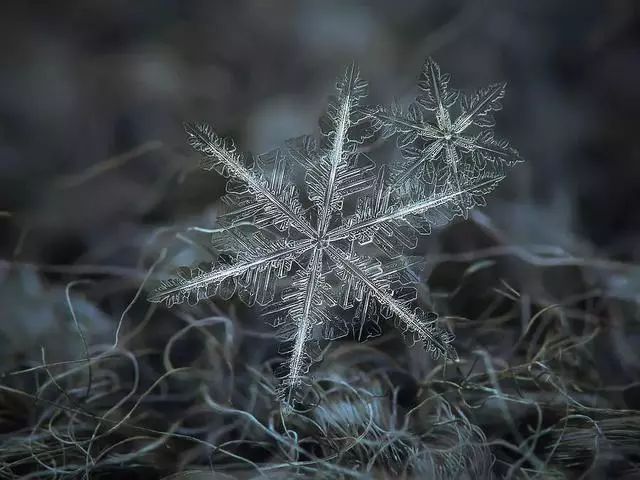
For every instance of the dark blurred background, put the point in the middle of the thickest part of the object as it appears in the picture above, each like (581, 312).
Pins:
(93, 94)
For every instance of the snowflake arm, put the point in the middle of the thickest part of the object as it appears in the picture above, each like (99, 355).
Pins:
(436, 340)
(485, 147)
(436, 95)
(255, 272)
(304, 306)
(331, 170)
(272, 203)
(477, 108)
(413, 213)
(409, 125)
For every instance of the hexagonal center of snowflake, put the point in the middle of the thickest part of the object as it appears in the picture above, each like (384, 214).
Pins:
(447, 136)
(322, 242)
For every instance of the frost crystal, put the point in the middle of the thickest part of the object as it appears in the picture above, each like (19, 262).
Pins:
(274, 239)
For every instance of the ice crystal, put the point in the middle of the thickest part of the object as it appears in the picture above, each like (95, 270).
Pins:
(301, 254)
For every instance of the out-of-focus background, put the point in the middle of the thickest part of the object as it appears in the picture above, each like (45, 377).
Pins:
(91, 81)
(93, 158)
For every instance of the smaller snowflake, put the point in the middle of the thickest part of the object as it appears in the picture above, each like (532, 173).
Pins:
(319, 257)
(462, 131)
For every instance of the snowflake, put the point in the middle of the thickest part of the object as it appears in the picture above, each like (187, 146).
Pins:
(467, 142)
(318, 256)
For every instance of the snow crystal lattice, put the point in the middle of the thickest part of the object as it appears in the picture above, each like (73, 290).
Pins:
(309, 244)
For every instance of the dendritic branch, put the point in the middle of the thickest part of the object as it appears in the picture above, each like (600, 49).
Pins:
(434, 338)
(221, 154)
(204, 284)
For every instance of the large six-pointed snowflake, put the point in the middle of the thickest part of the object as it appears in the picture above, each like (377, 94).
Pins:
(311, 251)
